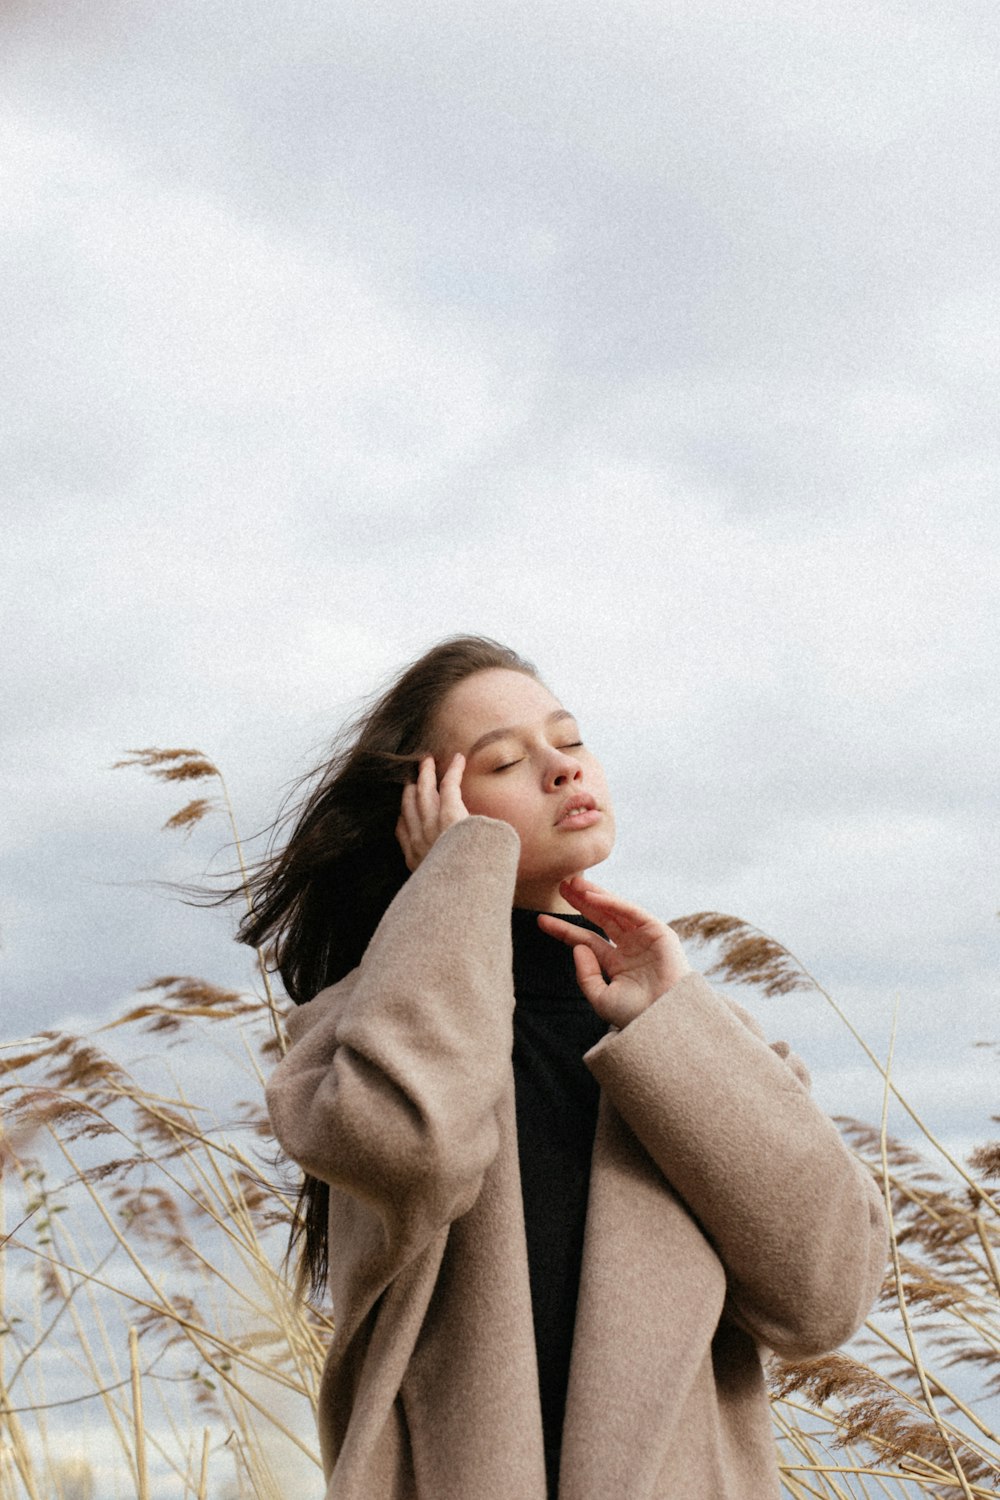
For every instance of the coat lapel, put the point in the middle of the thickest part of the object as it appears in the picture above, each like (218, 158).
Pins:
(651, 1292)
(471, 1387)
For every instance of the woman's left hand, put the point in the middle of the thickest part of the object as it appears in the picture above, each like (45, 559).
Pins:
(642, 960)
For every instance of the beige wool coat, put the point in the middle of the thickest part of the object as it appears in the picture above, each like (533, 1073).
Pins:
(725, 1215)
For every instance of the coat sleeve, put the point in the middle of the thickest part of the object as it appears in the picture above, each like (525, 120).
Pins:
(390, 1094)
(796, 1220)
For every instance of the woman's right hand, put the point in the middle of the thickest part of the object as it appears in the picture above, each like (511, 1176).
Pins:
(428, 809)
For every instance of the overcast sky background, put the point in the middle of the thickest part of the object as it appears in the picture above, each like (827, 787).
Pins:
(660, 340)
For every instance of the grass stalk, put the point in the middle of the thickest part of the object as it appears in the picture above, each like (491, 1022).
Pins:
(915, 1355)
(975, 1187)
(206, 1443)
(277, 1029)
(942, 1390)
(988, 1250)
(138, 1425)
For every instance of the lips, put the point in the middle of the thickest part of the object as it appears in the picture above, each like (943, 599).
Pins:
(583, 802)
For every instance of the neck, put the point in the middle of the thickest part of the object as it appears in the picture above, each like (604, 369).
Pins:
(541, 895)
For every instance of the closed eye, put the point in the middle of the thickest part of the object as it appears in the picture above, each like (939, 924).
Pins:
(575, 745)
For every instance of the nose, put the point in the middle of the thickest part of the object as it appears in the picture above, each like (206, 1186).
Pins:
(562, 770)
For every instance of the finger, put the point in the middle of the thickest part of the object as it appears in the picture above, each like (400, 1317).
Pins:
(589, 976)
(557, 928)
(601, 907)
(427, 775)
(577, 937)
(406, 844)
(408, 810)
(421, 829)
(586, 960)
(607, 898)
(456, 767)
(451, 786)
(600, 913)
(427, 799)
(625, 912)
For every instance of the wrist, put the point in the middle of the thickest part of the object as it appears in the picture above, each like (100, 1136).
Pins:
(665, 984)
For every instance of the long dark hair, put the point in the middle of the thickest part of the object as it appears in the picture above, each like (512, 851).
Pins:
(316, 902)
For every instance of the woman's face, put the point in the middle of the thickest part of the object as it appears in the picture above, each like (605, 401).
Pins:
(526, 765)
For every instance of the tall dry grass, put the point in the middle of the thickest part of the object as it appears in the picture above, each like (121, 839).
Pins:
(912, 1407)
(150, 1344)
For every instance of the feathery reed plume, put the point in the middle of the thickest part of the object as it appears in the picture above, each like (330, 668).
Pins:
(190, 814)
(193, 765)
(898, 1404)
(986, 1160)
(196, 1234)
(170, 765)
(745, 954)
(917, 1429)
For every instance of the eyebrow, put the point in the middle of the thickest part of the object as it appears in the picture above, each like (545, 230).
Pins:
(502, 734)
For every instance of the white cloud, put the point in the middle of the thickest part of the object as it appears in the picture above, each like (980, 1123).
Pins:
(660, 344)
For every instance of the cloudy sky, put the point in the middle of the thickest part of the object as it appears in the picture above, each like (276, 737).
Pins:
(658, 340)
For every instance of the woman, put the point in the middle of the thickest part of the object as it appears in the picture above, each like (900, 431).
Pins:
(565, 1193)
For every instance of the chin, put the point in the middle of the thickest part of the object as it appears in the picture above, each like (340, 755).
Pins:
(594, 852)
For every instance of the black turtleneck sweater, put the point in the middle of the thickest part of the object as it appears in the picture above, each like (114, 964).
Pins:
(556, 1098)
